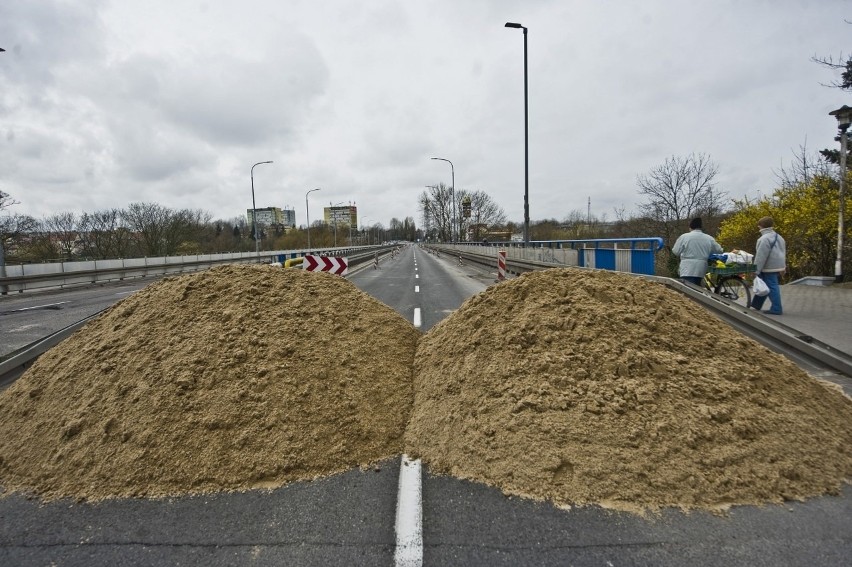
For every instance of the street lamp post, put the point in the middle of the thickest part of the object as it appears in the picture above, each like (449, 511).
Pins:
(452, 196)
(254, 209)
(3, 289)
(844, 118)
(526, 141)
(308, 216)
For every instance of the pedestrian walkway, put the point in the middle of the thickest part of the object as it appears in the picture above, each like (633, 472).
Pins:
(823, 312)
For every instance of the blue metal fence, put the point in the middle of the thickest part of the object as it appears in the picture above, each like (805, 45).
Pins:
(635, 255)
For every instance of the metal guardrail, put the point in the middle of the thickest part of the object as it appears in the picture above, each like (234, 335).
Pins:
(33, 277)
(806, 345)
(15, 363)
(519, 261)
(791, 338)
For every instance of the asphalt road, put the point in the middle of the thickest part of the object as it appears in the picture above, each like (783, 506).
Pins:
(28, 317)
(348, 519)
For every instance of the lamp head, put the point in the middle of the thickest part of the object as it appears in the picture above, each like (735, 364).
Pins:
(843, 115)
(513, 25)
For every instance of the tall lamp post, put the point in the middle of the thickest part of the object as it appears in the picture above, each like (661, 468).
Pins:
(526, 141)
(844, 118)
(452, 196)
(254, 209)
(3, 289)
(308, 215)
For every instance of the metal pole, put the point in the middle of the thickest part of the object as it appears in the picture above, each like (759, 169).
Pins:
(453, 194)
(526, 140)
(308, 216)
(526, 151)
(838, 264)
(3, 289)
(254, 210)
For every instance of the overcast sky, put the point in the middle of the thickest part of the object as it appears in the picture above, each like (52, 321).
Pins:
(104, 103)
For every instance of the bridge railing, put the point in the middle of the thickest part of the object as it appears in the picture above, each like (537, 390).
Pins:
(634, 255)
(32, 277)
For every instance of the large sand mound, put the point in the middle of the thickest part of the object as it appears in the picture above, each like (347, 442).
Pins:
(598, 387)
(568, 385)
(234, 378)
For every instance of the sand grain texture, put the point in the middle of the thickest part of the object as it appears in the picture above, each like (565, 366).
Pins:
(596, 387)
(238, 377)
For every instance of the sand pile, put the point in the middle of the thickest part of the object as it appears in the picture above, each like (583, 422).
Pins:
(597, 387)
(568, 385)
(237, 377)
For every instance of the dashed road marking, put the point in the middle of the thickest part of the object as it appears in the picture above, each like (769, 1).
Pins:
(409, 515)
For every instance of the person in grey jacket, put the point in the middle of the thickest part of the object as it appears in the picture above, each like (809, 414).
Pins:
(770, 261)
(694, 248)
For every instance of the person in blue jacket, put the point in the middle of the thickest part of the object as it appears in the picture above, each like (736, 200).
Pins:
(694, 248)
(770, 261)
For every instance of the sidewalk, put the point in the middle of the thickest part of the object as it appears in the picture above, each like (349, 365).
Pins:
(825, 313)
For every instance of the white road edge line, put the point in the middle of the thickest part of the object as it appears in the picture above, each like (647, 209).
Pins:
(409, 515)
(418, 321)
(42, 306)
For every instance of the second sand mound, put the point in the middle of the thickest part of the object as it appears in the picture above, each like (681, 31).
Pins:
(597, 387)
(233, 378)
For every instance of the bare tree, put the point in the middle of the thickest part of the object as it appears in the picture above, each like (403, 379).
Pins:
(63, 230)
(184, 230)
(15, 232)
(802, 169)
(579, 225)
(6, 201)
(147, 221)
(104, 235)
(842, 64)
(677, 190)
(845, 68)
(13, 229)
(484, 213)
(436, 206)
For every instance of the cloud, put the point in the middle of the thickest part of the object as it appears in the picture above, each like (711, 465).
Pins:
(106, 102)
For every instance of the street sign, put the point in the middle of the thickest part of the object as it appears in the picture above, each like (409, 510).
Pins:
(335, 264)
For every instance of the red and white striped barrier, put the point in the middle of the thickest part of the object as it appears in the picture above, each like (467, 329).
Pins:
(501, 265)
(335, 264)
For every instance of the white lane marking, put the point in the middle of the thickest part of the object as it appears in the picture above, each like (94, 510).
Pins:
(409, 515)
(418, 322)
(21, 329)
(41, 306)
(417, 289)
(416, 276)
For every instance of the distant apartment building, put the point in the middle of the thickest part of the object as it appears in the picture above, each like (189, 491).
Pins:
(289, 218)
(271, 216)
(341, 215)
